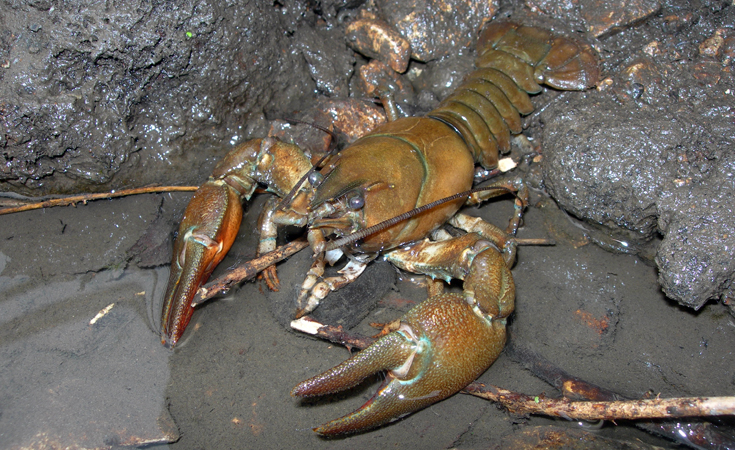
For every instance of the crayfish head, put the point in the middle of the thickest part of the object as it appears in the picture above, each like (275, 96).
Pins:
(341, 215)
(354, 196)
(385, 174)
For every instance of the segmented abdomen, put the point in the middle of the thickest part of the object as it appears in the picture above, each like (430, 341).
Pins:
(513, 61)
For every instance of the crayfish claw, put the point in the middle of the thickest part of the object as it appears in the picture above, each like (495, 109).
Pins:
(394, 352)
(187, 273)
(441, 346)
(387, 353)
(270, 276)
(206, 233)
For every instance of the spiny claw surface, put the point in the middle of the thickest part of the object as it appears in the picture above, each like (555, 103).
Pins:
(206, 233)
(443, 344)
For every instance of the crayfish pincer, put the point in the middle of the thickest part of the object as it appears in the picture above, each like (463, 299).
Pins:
(394, 206)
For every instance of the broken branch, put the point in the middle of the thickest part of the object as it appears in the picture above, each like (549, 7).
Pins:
(247, 270)
(331, 333)
(657, 408)
(84, 198)
(579, 410)
(696, 434)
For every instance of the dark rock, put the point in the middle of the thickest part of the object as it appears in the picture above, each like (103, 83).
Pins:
(651, 152)
(604, 17)
(330, 62)
(378, 40)
(696, 257)
(437, 28)
(92, 93)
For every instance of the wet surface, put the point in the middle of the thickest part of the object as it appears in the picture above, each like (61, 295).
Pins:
(650, 151)
(80, 346)
(79, 356)
(92, 92)
(598, 315)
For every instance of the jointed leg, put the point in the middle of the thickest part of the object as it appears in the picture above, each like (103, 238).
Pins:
(515, 186)
(316, 286)
(268, 234)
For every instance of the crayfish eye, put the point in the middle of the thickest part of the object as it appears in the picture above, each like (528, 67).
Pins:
(356, 200)
(315, 179)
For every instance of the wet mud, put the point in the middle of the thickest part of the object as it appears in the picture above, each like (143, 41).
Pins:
(80, 288)
(94, 92)
(597, 315)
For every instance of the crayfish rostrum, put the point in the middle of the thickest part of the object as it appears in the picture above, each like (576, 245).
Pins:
(448, 340)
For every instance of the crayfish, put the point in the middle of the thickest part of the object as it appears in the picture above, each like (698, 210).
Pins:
(450, 339)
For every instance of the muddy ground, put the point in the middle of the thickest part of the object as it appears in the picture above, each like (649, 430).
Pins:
(600, 316)
(80, 288)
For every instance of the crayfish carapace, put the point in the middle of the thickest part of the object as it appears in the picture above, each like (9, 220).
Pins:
(448, 340)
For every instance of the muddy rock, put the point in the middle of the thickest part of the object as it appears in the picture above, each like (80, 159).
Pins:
(651, 152)
(376, 39)
(329, 123)
(442, 76)
(330, 62)
(604, 17)
(437, 28)
(696, 257)
(598, 18)
(377, 80)
(93, 93)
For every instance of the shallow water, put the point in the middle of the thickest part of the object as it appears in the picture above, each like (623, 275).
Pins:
(77, 371)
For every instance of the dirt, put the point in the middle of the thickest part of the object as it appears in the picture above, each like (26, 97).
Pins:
(227, 384)
(80, 288)
(93, 92)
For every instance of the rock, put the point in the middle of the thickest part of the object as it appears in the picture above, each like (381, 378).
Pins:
(604, 17)
(378, 40)
(651, 153)
(92, 93)
(330, 62)
(437, 28)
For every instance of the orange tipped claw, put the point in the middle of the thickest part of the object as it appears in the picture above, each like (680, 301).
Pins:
(206, 233)
(270, 276)
(442, 345)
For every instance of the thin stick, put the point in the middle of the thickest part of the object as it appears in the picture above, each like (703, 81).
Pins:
(533, 241)
(247, 270)
(331, 333)
(658, 408)
(696, 434)
(580, 410)
(570, 386)
(84, 198)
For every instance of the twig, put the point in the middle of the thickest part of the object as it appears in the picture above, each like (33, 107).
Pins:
(697, 434)
(581, 410)
(84, 198)
(331, 333)
(534, 241)
(570, 386)
(247, 270)
(658, 408)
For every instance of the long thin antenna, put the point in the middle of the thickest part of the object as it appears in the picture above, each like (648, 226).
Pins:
(361, 234)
